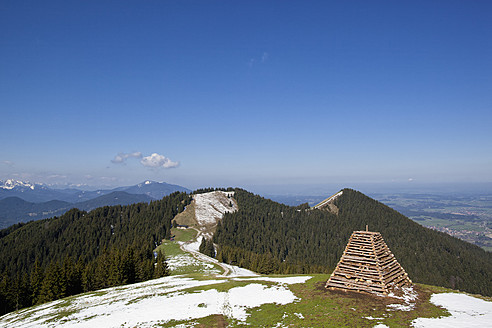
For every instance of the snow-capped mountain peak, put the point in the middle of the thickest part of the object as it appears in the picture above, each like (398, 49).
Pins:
(146, 182)
(11, 184)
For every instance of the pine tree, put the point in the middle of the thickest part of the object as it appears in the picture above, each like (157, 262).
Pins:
(5, 298)
(88, 277)
(209, 248)
(54, 284)
(203, 246)
(115, 272)
(23, 291)
(161, 269)
(128, 266)
(37, 277)
(73, 276)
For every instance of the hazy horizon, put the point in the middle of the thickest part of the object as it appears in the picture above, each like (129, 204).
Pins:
(322, 189)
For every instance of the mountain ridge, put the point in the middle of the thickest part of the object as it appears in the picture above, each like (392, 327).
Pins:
(41, 202)
(38, 192)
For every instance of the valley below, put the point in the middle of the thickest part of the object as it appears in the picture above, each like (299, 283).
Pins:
(465, 216)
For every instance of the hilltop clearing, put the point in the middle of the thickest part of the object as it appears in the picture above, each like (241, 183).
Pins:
(207, 299)
(206, 210)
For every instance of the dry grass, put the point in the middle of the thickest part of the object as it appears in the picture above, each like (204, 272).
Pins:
(187, 217)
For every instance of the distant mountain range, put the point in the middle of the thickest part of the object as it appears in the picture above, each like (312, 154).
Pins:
(22, 201)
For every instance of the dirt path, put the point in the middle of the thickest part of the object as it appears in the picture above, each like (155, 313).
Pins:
(202, 257)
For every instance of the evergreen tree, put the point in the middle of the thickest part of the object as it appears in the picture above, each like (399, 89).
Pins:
(203, 246)
(37, 277)
(128, 266)
(209, 248)
(88, 277)
(161, 268)
(115, 269)
(54, 283)
(6, 304)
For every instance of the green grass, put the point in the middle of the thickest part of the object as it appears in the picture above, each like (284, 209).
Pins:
(212, 321)
(319, 307)
(183, 234)
(171, 248)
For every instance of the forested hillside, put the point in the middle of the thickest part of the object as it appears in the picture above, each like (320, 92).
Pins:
(81, 251)
(268, 237)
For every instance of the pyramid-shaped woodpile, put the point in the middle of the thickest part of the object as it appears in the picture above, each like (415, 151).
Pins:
(367, 265)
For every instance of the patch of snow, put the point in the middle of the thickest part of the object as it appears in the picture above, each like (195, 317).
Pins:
(148, 182)
(299, 315)
(401, 307)
(466, 311)
(280, 280)
(174, 263)
(407, 294)
(193, 246)
(332, 198)
(235, 271)
(380, 325)
(372, 318)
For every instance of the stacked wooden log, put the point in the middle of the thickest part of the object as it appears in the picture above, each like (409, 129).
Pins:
(367, 265)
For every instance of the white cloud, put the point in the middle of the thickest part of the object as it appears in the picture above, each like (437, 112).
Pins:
(56, 176)
(122, 157)
(156, 161)
(110, 179)
(260, 60)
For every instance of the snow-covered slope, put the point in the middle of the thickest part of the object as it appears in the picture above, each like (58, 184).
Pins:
(211, 207)
(328, 200)
(155, 302)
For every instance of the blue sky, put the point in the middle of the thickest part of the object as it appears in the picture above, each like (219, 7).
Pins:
(246, 93)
